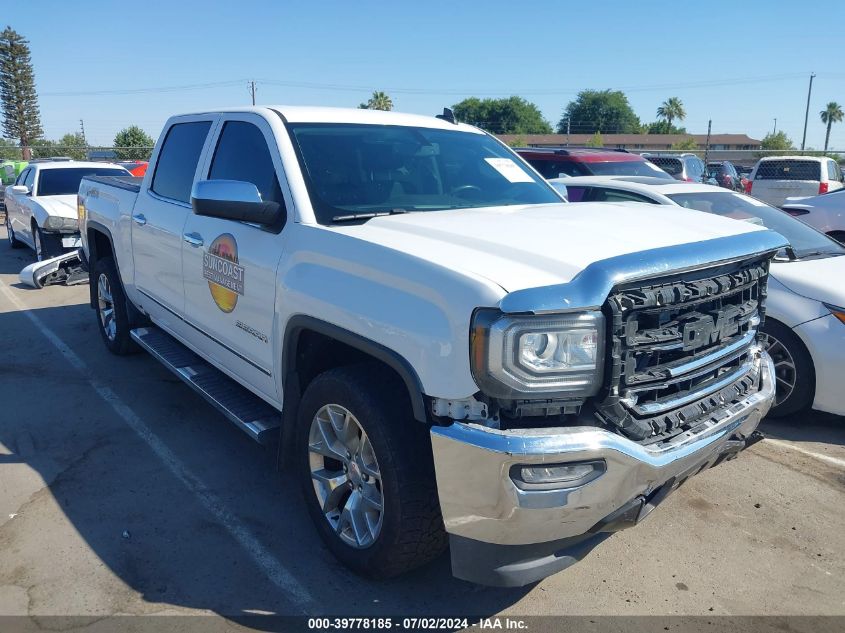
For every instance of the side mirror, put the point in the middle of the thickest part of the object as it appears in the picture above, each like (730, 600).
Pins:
(234, 200)
(21, 189)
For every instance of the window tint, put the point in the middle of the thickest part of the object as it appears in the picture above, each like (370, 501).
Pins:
(242, 154)
(557, 168)
(21, 177)
(832, 172)
(793, 169)
(671, 166)
(575, 193)
(62, 182)
(177, 160)
(29, 179)
(601, 194)
(626, 168)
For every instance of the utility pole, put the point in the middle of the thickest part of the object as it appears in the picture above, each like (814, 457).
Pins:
(775, 130)
(567, 131)
(707, 142)
(807, 112)
(82, 127)
(252, 91)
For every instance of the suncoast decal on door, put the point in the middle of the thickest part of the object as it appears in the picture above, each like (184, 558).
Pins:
(225, 276)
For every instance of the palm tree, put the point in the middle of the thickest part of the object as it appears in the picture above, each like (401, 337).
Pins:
(830, 115)
(379, 101)
(672, 109)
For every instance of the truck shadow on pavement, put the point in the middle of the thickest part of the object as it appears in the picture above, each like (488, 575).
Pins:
(108, 519)
(809, 426)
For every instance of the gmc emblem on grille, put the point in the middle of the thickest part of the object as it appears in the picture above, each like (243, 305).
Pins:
(708, 329)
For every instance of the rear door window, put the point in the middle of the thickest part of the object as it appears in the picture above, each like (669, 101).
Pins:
(789, 169)
(177, 160)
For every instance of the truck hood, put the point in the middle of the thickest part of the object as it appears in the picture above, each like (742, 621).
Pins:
(520, 247)
(59, 206)
(817, 279)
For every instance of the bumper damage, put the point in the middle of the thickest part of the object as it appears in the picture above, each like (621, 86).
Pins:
(505, 533)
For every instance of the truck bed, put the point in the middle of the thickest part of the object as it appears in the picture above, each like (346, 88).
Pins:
(130, 183)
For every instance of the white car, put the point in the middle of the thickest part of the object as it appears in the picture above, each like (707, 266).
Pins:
(776, 178)
(805, 308)
(41, 205)
(825, 213)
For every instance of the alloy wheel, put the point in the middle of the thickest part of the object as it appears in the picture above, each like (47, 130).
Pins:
(786, 372)
(346, 476)
(105, 306)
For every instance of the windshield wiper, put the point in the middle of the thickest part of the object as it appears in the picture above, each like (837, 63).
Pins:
(790, 254)
(352, 217)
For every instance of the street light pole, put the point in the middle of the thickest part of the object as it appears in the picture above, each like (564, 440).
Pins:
(775, 131)
(807, 112)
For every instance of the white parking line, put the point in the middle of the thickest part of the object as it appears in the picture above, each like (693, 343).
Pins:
(275, 571)
(820, 456)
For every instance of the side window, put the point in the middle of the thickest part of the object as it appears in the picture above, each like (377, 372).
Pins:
(575, 193)
(616, 195)
(177, 160)
(29, 180)
(832, 174)
(22, 176)
(242, 154)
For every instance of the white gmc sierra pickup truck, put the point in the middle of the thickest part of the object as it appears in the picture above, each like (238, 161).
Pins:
(441, 345)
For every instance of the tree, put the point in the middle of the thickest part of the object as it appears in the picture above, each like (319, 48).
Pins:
(830, 115)
(595, 141)
(687, 144)
(509, 115)
(776, 141)
(21, 118)
(132, 143)
(42, 148)
(663, 127)
(672, 109)
(9, 150)
(379, 101)
(605, 111)
(73, 145)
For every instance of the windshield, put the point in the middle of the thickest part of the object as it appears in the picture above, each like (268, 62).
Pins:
(354, 170)
(627, 168)
(805, 241)
(61, 182)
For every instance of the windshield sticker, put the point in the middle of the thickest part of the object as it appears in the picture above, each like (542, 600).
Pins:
(225, 277)
(509, 169)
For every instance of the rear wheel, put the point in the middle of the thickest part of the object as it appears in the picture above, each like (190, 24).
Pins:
(14, 242)
(112, 316)
(795, 378)
(366, 471)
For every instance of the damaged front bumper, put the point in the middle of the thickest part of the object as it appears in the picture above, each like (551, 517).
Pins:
(505, 533)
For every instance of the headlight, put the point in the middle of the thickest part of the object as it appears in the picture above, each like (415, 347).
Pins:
(517, 357)
(838, 312)
(55, 223)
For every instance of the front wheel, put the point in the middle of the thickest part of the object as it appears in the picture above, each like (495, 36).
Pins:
(795, 378)
(366, 471)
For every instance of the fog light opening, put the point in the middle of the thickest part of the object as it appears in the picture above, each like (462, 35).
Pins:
(556, 476)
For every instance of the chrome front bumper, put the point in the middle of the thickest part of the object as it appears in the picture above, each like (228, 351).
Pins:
(482, 506)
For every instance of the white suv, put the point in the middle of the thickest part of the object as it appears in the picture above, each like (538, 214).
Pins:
(776, 178)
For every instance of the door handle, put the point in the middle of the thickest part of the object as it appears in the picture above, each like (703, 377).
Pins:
(194, 239)
(139, 219)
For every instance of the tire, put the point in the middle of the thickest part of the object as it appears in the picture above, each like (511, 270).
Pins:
(112, 316)
(839, 236)
(408, 531)
(795, 375)
(14, 242)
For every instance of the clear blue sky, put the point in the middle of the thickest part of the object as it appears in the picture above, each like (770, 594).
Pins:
(740, 63)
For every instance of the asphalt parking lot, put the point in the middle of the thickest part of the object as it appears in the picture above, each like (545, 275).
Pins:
(123, 492)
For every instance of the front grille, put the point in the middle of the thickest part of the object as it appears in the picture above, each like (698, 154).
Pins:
(679, 348)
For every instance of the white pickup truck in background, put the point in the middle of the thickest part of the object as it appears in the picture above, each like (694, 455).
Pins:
(439, 342)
